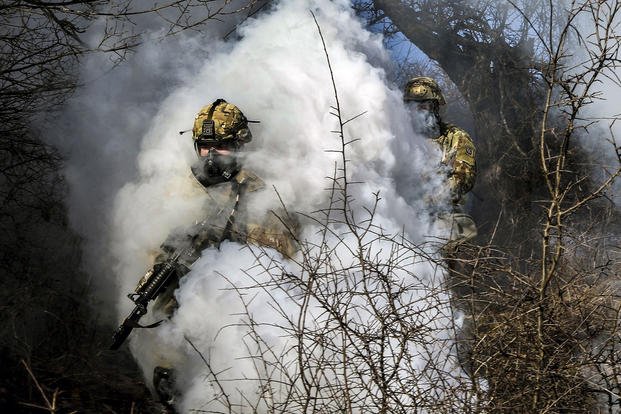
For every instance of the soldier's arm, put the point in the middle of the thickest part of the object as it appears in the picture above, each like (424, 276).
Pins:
(278, 230)
(463, 164)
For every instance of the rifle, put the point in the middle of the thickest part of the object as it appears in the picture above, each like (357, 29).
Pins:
(155, 284)
(157, 279)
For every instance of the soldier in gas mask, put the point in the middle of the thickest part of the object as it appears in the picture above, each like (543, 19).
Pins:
(219, 134)
(423, 97)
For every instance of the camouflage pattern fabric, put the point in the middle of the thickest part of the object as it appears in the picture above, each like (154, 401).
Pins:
(422, 88)
(458, 153)
(272, 229)
(228, 121)
(228, 202)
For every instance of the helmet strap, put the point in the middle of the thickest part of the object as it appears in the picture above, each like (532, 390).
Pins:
(214, 105)
(436, 111)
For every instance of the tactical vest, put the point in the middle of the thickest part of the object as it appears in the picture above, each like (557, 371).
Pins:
(228, 217)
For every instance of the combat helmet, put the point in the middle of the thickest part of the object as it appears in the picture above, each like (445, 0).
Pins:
(422, 88)
(220, 124)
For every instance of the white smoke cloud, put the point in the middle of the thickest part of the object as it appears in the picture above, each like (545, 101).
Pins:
(603, 140)
(275, 73)
(602, 137)
(100, 133)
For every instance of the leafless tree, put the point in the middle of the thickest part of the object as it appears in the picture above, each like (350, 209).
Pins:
(541, 302)
(371, 333)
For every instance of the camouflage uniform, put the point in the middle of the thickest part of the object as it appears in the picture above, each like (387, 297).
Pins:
(229, 190)
(458, 154)
(266, 229)
(229, 218)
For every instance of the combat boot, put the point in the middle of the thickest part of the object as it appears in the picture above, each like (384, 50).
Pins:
(164, 385)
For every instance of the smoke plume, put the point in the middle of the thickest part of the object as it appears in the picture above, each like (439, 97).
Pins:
(131, 187)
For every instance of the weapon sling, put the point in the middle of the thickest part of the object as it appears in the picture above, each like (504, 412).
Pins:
(226, 234)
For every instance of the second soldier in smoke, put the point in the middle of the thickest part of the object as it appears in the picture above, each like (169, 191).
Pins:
(423, 98)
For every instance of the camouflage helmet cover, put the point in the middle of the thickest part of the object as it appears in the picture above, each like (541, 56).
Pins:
(423, 88)
(221, 122)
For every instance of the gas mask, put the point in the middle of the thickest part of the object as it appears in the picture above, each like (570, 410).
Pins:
(216, 165)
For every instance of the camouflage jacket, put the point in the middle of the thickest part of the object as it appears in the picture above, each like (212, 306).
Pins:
(230, 216)
(230, 205)
(458, 153)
